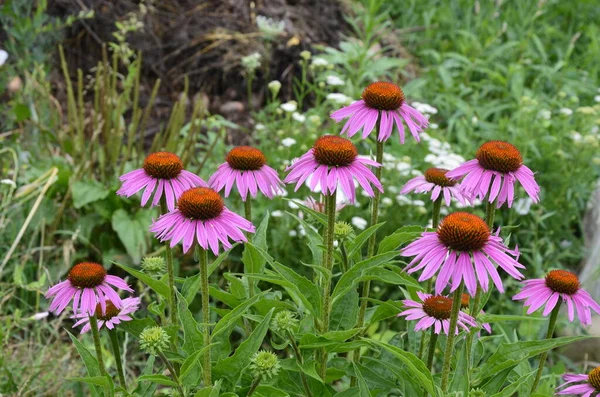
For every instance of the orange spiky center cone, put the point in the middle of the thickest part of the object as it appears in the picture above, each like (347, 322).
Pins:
(438, 307)
(594, 378)
(87, 275)
(499, 156)
(111, 311)
(382, 95)
(246, 158)
(563, 282)
(461, 231)
(163, 165)
(334, 151)
(200, 203)
(438, 177)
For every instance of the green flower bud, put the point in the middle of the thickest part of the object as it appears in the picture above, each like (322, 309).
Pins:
(343, 230)
(153, 264)
(477, 393)
(284, 321)
(274, 86)
(305, 55)
(154, 340)
(265, 365)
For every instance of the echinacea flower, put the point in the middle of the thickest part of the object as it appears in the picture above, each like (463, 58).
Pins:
(462, 249)
(87, 285)
(161, 174)
(111, 317)
(558, 284)
(493, 172)
(435, 310)
(590, 387)
(435, 181)
(201, 216)
(464, 304)
(383, 102)
(334, 161)
(246, 167)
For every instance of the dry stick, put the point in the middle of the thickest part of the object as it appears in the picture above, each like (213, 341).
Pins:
(551, 326)
(330, 210)
(371, 247)
(451, 336)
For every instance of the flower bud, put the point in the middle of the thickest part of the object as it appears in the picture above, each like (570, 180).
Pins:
(153, 264)
(265, 365)
(343, 230)
(305, 55)
(154, 340)
(284, 321)
(274, 87)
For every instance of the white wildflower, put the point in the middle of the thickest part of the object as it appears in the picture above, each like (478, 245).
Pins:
(334, 80)
(287, 142)
(523, 205)
(299, 117)
(290, 106)
(565, 111)
(336, 97)
(3, 57)
(359, 222)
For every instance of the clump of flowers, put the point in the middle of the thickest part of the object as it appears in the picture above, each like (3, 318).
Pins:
(435, 181)
(264, 365)
(154, 340)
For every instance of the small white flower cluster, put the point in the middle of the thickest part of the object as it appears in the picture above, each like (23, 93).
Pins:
(424, 108)
(335, 81)
(269, 26)
(441, 155)
(339, 99)
(251, 62)
(289, 107)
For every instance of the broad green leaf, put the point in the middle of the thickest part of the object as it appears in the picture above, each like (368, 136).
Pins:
(89, 191)
(253, 260)
(384, 310)
(350, 278)
(269, 391)
(191, 369)
(193, 339)
(499, 318)
(230, 318)
(219, 259)
(211, 391)
(415, 367)
(103, 381)
(132, 231)
(231, 367)
(156, 285)
(160, 379)
(291, 288)
(514, 387)
(460, 377)
(344, 312)
(393, 276)
(320, 217)
(137, 325)
(327, 340)
(90, 362)
(508, 355)
(363, 389)
(314, 238)
(399, 237)
(355, 245)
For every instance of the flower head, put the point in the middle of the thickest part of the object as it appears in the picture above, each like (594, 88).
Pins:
(558, 284)
(246, 167)
(153, 264)
(331, 162)
(464, 304)
(201, 216)
(111, 317)
(462, 249)
(265, 365)
(435, 181)
(284, 321)
(434, 310)
(343, 230)
(154, 340)
(493, 172)
(589, 388)
(87, 285)
(161, 174)
(385, 103)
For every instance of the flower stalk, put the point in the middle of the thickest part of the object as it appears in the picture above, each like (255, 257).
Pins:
(432, 343)
(173, 315)
(248, 216)
(97, 344)
(172, 371)
(544, 356)
(456, 299)
(300, 361)
(114, 341)
(330, 211)
(206, 363)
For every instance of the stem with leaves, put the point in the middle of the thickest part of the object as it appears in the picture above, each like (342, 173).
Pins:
(114, 341)
(97, 344)
(173, 372)
(456, 299)
(173, 315)
(202, 255)
(330, 211)
(544, 356)
(300, 361)
(248, 216)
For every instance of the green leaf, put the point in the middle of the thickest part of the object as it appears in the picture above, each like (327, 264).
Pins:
(211, 391)
(358, 242)
(217, 262)
(89, 191)
(90, 362)
(193, 339)
(391, 276)
(231, 367)
(508, 355)
(399, 237)
(132, 232)
(21, 112)
(363, 389)
(319, 217)
(156, 285)
(513, 387)
(230, 318)
(328, 340)
(314, 238)
(344, 312)
(137, 325)
(253, 260)
(499, 318)
(460, 377)
(350, 278)
(159, 379)
(191, 369)
(103, 381)
(415, 367)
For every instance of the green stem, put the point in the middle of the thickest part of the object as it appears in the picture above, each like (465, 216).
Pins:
(551, 326)
(300, 361)
(435, 216)
(366, 287)
(451, 336)
(345, 265)
(97, 344)
(248, 213)
(253, 387)
(206, 365)
(490, 212)
(330, 211)
(173, 315)
(114, 341)
(172, 371)
(432, 342)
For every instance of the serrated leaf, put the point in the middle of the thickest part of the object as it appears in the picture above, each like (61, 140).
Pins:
(355, 246)
(193, 339)
(159, 379)
(344, 312)
(399, 237)
(156, 285)
(88, 191)
(363, 389)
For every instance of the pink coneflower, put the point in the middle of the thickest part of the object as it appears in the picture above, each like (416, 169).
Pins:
(462, 249)
(435, 181)
(384, 102)
(464, 304)
(87, 285)
(435, 311)
(111, 317)
(163, 174)
(201, 216)
(246, 167)
(331, 162)
(558, 284)
(590, 387)
(496, 167)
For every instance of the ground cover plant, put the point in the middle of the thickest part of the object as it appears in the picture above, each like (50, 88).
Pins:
(380, 226)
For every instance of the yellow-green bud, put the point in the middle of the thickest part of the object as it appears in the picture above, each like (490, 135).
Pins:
(284, 321)
(265, 365)
(305, 55)
(154, 340)
(343, 230)
(153, 264)
(274, 87)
